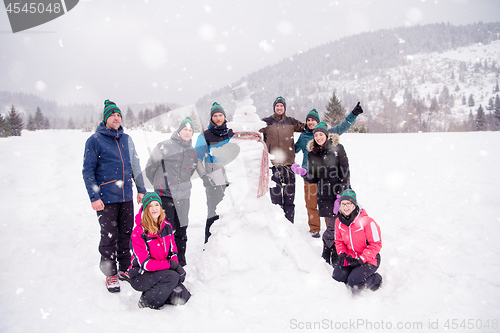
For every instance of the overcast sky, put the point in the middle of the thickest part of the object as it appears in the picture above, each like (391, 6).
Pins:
(177, 51)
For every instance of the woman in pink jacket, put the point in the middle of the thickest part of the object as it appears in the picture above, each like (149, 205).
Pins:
(358, 242)
(155, 269)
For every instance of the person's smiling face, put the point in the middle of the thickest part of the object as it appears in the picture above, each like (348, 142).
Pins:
(320, 138)
(346, 207)
(114, 121)
(279, 108)
(154, 209)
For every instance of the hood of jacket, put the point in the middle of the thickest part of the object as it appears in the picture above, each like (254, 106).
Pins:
(138, 216)
(333, 139)
(102, 129)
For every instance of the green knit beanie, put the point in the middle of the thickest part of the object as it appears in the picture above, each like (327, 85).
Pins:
(186, 122)
(281, 100)
(109, 108)
(216, 108)
(349, 195)
(150, 196)
(321, 127)
(313, 114)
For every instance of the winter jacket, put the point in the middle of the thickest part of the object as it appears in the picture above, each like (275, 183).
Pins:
(151, 252)
(211, 165)
(110, 164)
(278, 136)
(361, 239)
(329, 168)
(180, 162)
(304, 138)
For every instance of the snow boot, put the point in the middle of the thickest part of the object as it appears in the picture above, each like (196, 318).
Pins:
(143, 304)
(112, 284)
(377, 282)
(123, 276)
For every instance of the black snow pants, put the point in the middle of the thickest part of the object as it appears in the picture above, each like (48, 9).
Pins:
(215, 194)
(173, 212)
(329, 250)
(283, 193)
(156, 286)
(116, 221)
(360, 277)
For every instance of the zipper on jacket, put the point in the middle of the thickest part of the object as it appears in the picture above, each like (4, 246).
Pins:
(123, 168)
(352, 244)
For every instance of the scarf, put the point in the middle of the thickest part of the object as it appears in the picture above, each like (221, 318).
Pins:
(218, 130)
(264, 164)
(347, 220)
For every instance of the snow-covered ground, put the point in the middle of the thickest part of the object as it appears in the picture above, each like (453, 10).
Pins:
(434, 195)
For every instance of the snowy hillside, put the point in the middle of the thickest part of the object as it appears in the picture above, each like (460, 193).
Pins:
(465, 71)
(434, 196)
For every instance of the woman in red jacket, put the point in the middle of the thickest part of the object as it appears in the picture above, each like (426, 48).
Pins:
(358, 242)
(155, 269)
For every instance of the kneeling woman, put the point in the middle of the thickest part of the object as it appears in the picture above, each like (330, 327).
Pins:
(358, 243)
(155, 269)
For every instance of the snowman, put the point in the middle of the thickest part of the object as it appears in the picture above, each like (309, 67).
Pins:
(252, 235)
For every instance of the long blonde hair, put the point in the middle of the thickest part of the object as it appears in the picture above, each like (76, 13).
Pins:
(148, 223)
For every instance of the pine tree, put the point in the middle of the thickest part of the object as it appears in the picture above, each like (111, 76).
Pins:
(444, 97)
(39, 119)
(434, 105)
(148, 115)
(471, 121)
(140, 117)
(3, 127)
(491, 105)
(46, 123)
(15, 122)
(71, 123)
(480, 119)
(160, 109)
(497, 110)
(31, 124)
(130, 117)
(335, 111)
(196, 120)
(471, 100)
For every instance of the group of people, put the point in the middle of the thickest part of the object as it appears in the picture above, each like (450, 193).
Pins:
(151, 255)
(352, 240)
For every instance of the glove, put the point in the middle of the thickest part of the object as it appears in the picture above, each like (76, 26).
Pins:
(353, 262)
(298, 170)
(357, 110)
(342, 260)
(336, 205)
(207, 181)
(174, 265)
